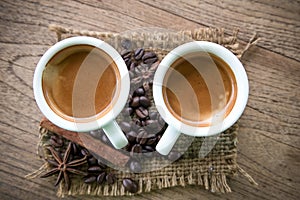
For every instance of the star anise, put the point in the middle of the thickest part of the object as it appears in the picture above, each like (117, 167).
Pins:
(64, 166)
(145, 72)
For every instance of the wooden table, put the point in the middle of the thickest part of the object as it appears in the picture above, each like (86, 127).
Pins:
(269, 144)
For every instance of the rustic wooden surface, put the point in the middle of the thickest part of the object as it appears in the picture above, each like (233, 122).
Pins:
(269, 145)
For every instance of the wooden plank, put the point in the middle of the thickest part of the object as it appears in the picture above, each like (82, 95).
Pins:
(277, 22)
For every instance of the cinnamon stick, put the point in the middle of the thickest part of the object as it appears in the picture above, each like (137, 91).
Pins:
(84, 139)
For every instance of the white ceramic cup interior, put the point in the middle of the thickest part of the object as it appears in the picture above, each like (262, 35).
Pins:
(107, 121)
(175, 126)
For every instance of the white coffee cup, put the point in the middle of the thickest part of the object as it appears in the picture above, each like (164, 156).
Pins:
(107, 121)
(176, 126)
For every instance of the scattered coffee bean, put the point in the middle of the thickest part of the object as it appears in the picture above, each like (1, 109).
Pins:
(141, 134)
(144, 101)
(149, 148)
(153, 115)
(94, 169)
(96, 133)
(161, 120)
(92, 161)
(136, 148)
(130, 185)
(128, 62)
(139, 92)
(138, 54)
(101, 178)
(146, 86)
(149, 58)
(135, 166)
(105, 139)
(131, 136)
(141, 112)
(126, 54)
(85, 152)
(132, 66)
(125, 126)
(90, 179)
(74, 148)
(128, 111)
(56, 141)
(151, 141)
(174, 155)
(135, 102)
(52, 162)
(150, 61)
(126, 44)
(131, 74)
(110, 178)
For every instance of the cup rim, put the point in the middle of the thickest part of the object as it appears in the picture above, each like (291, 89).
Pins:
(87, 125)
(237, 69)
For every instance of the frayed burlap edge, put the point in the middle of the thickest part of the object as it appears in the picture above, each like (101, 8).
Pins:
(210, 178)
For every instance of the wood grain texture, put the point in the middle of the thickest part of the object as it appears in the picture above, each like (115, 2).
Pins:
(269, 143)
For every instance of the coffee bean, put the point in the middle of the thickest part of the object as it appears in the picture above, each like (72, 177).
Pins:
(132, 66)
(128, 62)
(136, 148)
(130, 185)
(131, 74)
(174, 155)
(85, 152)
(95, 169)
(135, 102)
(110, 178)
(105, 139)
(126, 44)
(128, 111)
(141, 134)
(151, 141)
(131, 136)
(150, 61)
(148, 55)
(74, 148)
(90, 179)
(149, 148)
(92, 161)
(152, 126)
(125, 126)
(135, 166)
(146, 86)
(54, 143)
(161, 120)
(101, 178)
(144, 101)
(153, 115)
(138, 54)
(126, 54)
(139, 92)
(141, 112)
(95, 133)
(143, 140)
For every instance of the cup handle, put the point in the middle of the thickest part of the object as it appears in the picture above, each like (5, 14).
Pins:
(167, 140)
(115, 134)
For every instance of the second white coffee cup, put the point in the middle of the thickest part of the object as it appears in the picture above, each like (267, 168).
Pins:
(217, 124)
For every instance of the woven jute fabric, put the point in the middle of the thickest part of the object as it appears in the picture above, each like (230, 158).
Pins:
(212, 171)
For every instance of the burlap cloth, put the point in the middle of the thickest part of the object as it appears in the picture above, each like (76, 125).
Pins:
(212, 171)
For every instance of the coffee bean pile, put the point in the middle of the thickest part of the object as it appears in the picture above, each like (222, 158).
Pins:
(138, 57)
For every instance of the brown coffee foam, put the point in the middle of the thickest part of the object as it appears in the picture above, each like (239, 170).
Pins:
(212, 171)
